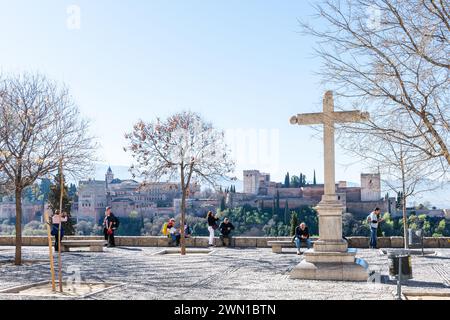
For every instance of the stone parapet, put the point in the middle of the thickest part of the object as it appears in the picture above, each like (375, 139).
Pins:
(241, 242)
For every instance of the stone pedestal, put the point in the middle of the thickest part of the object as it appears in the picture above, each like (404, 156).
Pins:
(335, 266)
(330, 259)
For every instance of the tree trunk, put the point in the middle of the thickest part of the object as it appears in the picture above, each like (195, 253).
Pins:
(405, 218)
(183, 219)
(405, 222)
(18, 256)
(183, 211)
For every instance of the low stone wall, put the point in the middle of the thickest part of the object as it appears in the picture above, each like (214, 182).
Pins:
(242, 242)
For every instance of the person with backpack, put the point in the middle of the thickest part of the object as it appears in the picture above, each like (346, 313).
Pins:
(212, 226)
(374, 219)
(110, 224)
(172, 232)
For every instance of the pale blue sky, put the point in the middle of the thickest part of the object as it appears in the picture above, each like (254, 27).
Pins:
(241, 64)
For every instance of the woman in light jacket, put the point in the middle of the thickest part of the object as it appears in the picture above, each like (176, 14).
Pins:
(212, 225)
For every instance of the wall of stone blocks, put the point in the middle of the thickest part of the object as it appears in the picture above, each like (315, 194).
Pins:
(241, 242)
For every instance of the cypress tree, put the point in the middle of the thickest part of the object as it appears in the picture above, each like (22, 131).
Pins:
(294, 222)
(314, 179)
(286, 212)
(53, 201)
(277, 203)
(287, 181)
(222, 204)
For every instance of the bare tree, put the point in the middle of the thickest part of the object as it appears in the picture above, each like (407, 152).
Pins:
(404, 168)
(183, 147)
(392, 58)
(39, 125)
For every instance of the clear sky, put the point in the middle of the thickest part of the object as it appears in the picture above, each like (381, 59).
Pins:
(242, 64)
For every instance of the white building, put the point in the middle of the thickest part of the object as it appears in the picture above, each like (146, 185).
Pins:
(125, 197)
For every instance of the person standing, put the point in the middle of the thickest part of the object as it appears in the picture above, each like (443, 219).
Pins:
(57, 220)
(212, 226)
(225, 231)
(302, 235)
(374, 219)
(109, 226)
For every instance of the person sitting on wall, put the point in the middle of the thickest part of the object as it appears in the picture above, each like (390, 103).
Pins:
(301, 235)
(173, 232)
(187, 230)
(225, 231)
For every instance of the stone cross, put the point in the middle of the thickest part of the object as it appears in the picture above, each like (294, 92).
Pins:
(330, 208)
(328, 118)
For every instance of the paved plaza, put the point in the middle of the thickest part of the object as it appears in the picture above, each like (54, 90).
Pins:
(223, 274)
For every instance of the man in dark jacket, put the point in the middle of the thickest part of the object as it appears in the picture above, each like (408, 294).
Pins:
(109, 226)
(301, 234)
(225, 231)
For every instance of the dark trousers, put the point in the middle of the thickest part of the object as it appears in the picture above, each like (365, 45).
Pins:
(57, 242)
(55, 232)
(109, 237)
(176, 239)
(226, 236)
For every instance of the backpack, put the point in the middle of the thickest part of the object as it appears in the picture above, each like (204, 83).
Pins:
(116, 222)
(164, 229)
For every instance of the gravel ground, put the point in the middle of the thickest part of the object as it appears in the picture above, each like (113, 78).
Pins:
(224, 274)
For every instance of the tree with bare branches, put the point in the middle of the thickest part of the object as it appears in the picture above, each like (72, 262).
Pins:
(392, 58)
(39, 125)
(183, 147)
(404, 168)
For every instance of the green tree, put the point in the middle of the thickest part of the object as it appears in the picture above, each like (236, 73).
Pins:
(295, 182)
(222, 204)
(439, 231)
(286, 212)
(54, 202)
(72, 191)
(277, 203)
(396, 227)
(287, 181)
(314, 179)
(28, 193)
(44, 189)
(294, 222)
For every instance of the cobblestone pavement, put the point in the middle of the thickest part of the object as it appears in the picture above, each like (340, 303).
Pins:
(223, 274)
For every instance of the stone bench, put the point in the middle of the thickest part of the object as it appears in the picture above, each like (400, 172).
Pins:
(278, 245)
(94, 245)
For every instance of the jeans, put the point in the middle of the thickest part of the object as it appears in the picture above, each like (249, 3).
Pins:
(176, 239)
(211, 235)
(298, 243)
(373, 237)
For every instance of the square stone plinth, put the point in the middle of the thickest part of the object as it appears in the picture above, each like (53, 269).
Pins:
(337, 266)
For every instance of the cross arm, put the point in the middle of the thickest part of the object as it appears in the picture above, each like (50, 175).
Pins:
(334, 117)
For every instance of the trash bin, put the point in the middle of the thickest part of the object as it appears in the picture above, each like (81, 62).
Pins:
(394, 258)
